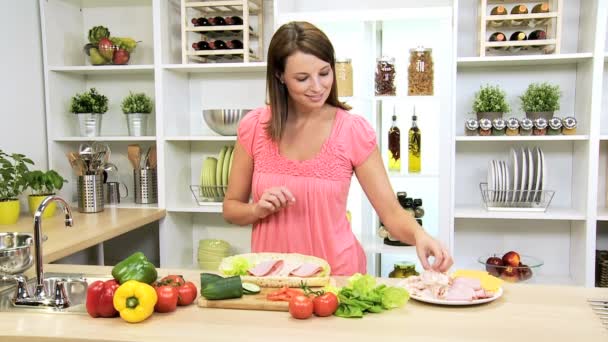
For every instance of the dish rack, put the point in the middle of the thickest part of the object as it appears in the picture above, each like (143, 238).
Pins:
(247, 32)
(205, 194)
(515, 200)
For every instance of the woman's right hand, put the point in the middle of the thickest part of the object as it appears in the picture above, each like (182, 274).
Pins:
(273, 200)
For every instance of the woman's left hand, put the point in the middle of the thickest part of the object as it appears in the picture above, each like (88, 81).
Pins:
(427, 246)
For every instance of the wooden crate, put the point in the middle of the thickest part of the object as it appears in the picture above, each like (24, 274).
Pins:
(243, 8)
(550, 22)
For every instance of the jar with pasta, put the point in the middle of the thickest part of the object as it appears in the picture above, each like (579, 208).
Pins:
(344, 77)
(385, 76)
(420, 72)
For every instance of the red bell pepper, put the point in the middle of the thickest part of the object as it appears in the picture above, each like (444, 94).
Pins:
(100, 295)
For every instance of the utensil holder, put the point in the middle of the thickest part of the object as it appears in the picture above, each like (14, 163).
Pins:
(137, 124)
(90, 193)
(146, 191)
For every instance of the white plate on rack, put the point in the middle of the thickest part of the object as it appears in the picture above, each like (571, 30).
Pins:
(543, 177)
(496, 295)
(507, 186)
(516, 177)
(490, 180)
(531, 175)
(524, 174)
(539, 174)
(498, 173)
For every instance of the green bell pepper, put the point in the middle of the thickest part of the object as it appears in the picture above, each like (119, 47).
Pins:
(135, 267)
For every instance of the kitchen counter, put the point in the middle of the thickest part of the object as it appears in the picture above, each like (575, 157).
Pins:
(88, 229)
(524, 313)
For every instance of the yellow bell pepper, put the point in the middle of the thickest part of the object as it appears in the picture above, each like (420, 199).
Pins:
(135, 301)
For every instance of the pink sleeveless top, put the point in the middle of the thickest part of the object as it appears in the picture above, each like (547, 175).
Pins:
(316, 224)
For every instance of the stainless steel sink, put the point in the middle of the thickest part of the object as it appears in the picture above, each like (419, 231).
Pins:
(75, 285)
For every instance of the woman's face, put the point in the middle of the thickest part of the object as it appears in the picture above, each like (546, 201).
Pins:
(308, 80)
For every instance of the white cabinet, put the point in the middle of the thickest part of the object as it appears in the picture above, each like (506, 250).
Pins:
(565, 237)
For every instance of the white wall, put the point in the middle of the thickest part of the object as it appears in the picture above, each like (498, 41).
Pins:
(22, 128)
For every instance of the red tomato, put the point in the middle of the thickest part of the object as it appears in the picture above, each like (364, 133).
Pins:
(300, 307)
(175, 280)
(186, 293)
(167, 298)
(325, 304)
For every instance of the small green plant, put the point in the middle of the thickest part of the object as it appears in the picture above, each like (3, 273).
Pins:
(13, 171)
(44, 183)
(89, 102)
(136, 103)
(541, 97)
(490, 99)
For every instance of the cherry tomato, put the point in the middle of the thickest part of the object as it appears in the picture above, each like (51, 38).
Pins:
(167, 298)
(300, 307)
(325, 304)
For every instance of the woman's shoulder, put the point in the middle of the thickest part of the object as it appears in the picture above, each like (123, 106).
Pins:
(353, 121)
(255, 117)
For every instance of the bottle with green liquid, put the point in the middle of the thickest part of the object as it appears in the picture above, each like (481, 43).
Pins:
(394, 146)
(414, 142)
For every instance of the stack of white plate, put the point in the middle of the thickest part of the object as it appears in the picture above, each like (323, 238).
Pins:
(521, 180)
(215, 172)
(211, 252)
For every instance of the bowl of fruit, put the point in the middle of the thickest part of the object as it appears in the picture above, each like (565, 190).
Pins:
(511, 266)
(104, 49)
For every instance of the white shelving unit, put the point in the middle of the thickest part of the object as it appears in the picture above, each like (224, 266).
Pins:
(565, 236)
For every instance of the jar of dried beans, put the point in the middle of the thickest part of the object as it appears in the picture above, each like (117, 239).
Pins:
(385, 76)
(420, 72)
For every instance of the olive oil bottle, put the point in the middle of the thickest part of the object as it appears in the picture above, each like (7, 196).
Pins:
(414, 144)
(394, 146)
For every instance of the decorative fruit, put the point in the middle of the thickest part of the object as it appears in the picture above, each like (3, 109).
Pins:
(510, 274)
(511, 259)
(494, 266)
(121, 56)
(106, 48)
(525, 272)
(96, 57)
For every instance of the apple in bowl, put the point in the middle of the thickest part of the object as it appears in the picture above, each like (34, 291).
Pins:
(511, 266)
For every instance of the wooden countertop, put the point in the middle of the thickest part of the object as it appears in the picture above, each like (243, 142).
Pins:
(524, 313)
(88, 229)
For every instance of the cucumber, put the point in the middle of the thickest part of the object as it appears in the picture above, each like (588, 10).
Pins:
(225, 288)
(208, 278)
(249, 288)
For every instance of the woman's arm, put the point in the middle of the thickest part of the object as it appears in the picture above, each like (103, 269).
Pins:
(401, 225)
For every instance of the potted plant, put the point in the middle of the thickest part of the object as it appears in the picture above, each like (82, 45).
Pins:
(89, 108)
(490, 102)
(13, 171)
(540, 100)
(43, 184)
(137, 107)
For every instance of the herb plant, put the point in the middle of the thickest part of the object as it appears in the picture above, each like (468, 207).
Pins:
(44, 183)
(490, 99)
(89, 102)
(136, 103)
(13, 172)
(541, 97)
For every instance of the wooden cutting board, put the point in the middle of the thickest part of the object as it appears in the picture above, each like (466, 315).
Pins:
(247, 302)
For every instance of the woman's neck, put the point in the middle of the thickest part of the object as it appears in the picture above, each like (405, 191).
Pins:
(298, 112)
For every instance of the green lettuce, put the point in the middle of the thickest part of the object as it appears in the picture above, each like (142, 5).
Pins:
(362, 295)
(236, 265)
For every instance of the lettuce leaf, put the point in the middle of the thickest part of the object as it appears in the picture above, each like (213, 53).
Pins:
(236, 265)
(362, 295)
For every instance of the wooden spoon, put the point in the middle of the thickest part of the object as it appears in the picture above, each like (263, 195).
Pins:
(152, 158)
(134, 154)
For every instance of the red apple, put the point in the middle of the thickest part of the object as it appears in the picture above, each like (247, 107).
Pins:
(510, 274)
(494, 266)
(511, 259)
(121, 56)
(106, 48)
(525, 272)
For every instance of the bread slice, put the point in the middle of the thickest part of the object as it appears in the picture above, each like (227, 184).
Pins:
(320, 279)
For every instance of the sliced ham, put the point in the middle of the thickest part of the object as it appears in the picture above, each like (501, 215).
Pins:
(473, 283)
(306, 270)
(460, 293)
(288, 267)
(266, 268)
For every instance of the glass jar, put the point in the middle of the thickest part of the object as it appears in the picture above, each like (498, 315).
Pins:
(499, 126)
(525, 126)
(344, 77)
(418, 209)
(401, 196)
(512, 127)
(540, 127)
(420, 72)
(470, 127)
(485, 127)
(569, 125)
(419, 222)
(382, 232)
(385, 76)
(555, 126)
(409, 206)
(403, 269)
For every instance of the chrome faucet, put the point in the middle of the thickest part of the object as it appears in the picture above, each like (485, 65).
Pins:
(41, 298)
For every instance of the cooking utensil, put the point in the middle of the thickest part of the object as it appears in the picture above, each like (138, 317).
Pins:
(145, 160)
(152, 158)
(134, 154)
(16, 252)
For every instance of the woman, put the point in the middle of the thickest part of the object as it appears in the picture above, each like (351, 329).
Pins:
(297, 156)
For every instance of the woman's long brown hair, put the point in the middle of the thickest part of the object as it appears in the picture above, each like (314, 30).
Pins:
(289, 38)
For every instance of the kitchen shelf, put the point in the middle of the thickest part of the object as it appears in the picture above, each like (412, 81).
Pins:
(521, 60)
(211, 207)
(131, 205)
(604, 137)
(508, 17)
(217, 67)
(202, 138)
(105, 69)
(377, 246)
(412, 175)
(552, 213)
(602, 214)
(522, 138)
(105, 138)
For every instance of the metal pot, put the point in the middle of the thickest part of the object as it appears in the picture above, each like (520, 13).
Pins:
(489, 115)
(15, 252)
(535, 115)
